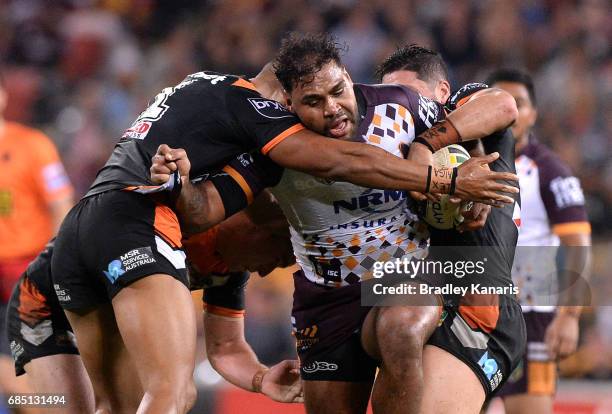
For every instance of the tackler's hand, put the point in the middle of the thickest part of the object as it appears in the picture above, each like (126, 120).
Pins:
(475, 218)
(166, 161)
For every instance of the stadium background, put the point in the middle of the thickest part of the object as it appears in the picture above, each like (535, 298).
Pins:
(81, 70)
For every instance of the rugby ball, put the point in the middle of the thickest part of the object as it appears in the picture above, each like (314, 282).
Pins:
(442, 214)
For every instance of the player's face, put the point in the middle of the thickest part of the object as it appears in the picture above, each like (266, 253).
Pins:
(327, 105)
(527, 114)
(438, 91)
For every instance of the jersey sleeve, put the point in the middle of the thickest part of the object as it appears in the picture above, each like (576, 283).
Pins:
(243, 178)
(563, 197)
(228, 298)
(463, 95)
(49, 173)
(425, 112)
(262, 122)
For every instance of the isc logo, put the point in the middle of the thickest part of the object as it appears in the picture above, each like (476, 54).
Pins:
(369, 199)
(269, 109)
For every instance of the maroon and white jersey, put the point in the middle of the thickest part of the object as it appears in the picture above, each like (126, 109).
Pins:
(552, 205)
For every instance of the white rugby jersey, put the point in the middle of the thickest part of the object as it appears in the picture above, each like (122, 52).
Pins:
(552, 204)
(339, 230)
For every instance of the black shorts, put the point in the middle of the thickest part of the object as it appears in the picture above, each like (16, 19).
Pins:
(537, 371)
(37, 326)
(489, 339)
(327, 326)
(110, 240)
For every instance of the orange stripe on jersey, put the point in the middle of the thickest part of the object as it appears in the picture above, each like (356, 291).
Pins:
(464, 100)
(578, 227)
(244, 84)
(221, 311)
(280, 137)
(241, 182)
(167, 226)
(32, 304)
(541, 377)
(484, 315)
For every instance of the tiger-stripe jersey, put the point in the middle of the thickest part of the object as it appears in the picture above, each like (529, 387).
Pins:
(213, 116)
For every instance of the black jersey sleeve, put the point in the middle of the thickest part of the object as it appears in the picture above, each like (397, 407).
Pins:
(262, 122)
(243, 179)
(227, 299)
(463, 94)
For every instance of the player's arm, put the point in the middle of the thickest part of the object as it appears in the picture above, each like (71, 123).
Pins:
(58, 209)
(562, 334)
(373, 167)
(206, 203)
(565, 207)
(232, 357)
(53, 181)
(279, 135)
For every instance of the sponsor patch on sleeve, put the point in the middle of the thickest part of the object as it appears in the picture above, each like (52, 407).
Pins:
(55, 177)
(138, 130)
(269, 108)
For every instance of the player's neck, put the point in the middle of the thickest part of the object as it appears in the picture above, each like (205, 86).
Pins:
(2, 127)
(267, 84)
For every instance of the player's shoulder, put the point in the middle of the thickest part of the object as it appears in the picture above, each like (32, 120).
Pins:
(548, 162)
(26, 133)
(209, 82)
(387, 93)
(462, 94)
(30, 139)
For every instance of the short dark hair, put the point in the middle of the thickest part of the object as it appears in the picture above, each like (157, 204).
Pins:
(301, 56)
(514, 75)
(427, 64)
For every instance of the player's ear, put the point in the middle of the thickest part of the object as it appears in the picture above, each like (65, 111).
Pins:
(287, 100)
(443, 91)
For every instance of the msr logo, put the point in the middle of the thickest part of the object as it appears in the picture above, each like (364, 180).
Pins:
(270, 109)
(128, 261)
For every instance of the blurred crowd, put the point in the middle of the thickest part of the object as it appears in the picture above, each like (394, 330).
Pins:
(81, 70)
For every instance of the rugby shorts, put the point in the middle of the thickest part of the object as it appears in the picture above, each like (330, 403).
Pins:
(486, 332)
(109, 240)
(536, 373)
(37, 326)
(327, 326)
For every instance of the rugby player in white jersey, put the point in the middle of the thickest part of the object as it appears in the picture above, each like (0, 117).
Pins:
(339, 230)
(553, 215)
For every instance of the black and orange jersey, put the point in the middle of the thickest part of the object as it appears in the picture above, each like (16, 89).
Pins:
(213, 116)
(496, 242)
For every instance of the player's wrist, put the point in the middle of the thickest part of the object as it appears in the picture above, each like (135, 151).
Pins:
(572, 311)
(441, 134)
(441, 180)
(257, 380)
